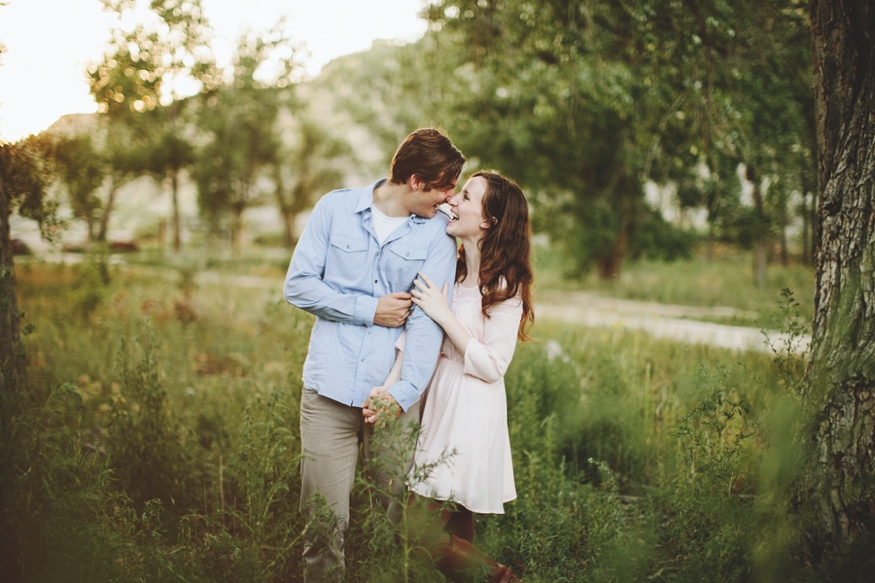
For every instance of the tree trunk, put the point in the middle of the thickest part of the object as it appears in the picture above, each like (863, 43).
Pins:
(11, 350)
(104, 219)
(805, 230)
(784, 260)
(812, 217)
(841, 381)
(760, 250)
(174, 197)
(89, 222)
(284, 205)
(610, 263)
(289, 223)
(709, 242)
(236, 229)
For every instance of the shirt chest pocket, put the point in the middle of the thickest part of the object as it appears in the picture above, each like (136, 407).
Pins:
(347, 258)
(402, 263)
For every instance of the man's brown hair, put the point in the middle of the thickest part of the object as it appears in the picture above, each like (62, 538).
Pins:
(431, 156)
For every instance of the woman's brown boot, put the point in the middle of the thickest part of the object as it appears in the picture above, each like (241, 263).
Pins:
(459, 560)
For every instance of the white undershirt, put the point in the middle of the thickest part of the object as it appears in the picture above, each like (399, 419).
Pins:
(384, 225)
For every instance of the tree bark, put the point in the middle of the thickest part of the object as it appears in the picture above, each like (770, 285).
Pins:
(89, 222)
(610, 266)
(11, 352)
(760, 250)
(783, 218)
(236, 228)
(107, 210)
(174, 194)
(841, 382)
(610, 263)
(289, 224)
(805, 230)
(283, 204)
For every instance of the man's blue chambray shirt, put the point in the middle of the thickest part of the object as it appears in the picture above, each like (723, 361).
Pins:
(338, 273)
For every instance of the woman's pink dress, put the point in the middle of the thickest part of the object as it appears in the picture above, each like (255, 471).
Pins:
(465, 411)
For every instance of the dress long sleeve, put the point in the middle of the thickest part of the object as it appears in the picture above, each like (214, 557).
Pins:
(488, 360)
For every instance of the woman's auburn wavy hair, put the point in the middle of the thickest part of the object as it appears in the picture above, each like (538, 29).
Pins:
(505, 249)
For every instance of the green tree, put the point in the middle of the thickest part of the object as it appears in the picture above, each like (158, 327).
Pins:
(305, 169)
(169, 151)
(82, 169)
(26, 173)
(135, 88)
(122, 152)
(27, 170)
(586, 101)
(238, 122)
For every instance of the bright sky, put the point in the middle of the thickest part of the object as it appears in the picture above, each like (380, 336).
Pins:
(50, 43)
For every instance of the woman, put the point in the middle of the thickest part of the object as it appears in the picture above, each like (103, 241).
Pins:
(464, 441)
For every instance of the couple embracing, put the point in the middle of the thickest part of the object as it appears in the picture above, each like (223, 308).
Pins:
(403, 310)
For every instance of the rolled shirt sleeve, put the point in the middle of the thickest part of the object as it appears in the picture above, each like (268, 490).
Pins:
(423, 336)
(488, 360)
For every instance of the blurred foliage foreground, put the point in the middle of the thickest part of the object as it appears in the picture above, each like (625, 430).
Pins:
(159, 441)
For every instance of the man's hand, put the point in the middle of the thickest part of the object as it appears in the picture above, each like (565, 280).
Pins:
(392, 310)
(370, 414)
(380, 407)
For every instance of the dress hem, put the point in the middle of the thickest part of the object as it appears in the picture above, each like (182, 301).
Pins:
(461, 503)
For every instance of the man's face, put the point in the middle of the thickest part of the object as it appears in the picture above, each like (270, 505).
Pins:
(425, 202)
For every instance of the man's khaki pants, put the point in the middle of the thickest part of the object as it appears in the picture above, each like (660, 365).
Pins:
(331, 433)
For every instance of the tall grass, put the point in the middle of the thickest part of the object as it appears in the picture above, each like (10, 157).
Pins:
(159, 442)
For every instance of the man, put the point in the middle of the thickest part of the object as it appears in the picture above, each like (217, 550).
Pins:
(353, 269)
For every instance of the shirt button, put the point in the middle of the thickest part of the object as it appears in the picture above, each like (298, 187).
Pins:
(363, 360)
(375, 281)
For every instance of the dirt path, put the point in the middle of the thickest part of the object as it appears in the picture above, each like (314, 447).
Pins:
(661, 320)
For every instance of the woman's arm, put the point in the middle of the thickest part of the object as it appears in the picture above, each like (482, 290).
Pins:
(487, 360)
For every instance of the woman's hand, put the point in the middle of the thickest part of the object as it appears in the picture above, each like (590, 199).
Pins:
(432, 300)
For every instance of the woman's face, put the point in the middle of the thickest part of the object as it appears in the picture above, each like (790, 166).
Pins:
(468, 206)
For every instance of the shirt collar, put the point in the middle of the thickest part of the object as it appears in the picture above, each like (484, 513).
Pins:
(366, 201)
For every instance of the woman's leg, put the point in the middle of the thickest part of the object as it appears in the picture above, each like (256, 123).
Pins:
(424, 523)
(459, 560)
(461, 524)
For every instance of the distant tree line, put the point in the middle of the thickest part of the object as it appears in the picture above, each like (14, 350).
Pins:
(244, 138)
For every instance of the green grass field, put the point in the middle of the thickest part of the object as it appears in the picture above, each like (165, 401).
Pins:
(159, 441)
